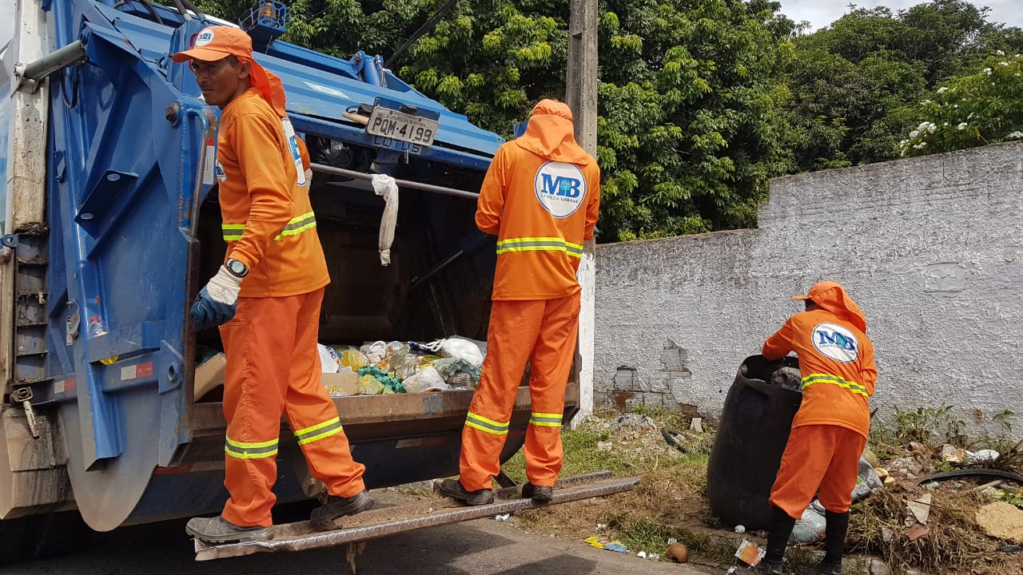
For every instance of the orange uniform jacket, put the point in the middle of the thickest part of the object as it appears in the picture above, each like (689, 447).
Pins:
(836, 361)
(540, 197)
(268, 220)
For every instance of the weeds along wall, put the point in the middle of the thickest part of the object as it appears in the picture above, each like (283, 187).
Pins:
(931, 248)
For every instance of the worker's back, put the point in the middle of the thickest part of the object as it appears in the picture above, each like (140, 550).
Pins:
(541, 198)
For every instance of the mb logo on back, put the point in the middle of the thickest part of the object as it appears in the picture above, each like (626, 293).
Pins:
(836, 342)
(560, 188)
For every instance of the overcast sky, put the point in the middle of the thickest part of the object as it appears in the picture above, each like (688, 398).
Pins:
(823, 12)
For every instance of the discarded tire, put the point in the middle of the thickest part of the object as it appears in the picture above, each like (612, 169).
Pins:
(754, 429)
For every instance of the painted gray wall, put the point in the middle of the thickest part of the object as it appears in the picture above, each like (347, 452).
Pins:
(930, 248)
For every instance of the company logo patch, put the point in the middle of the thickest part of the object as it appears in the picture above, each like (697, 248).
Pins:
(218, 171)
(836, 342)
(560, 188)
(204, 38)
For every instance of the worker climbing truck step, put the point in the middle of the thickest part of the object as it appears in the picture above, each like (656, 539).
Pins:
(112, 225)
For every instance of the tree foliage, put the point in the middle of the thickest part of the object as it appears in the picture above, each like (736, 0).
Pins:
(701, 101)
(971, 110)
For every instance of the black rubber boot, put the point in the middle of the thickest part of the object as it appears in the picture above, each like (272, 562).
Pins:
(217, 531)
(453, 488)
(777, 539)
(834, 543)
(323, 517)
(538, 493)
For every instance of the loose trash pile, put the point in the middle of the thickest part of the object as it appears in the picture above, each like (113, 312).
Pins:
(397, 367)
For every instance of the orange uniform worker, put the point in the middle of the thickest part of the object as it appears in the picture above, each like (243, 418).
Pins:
(266, 298)
(829, 432)
(540, 197)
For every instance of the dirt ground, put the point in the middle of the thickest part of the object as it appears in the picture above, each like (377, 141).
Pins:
(670, 504)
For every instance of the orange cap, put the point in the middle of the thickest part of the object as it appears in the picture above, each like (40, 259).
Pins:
(831, 296)
(218, 42)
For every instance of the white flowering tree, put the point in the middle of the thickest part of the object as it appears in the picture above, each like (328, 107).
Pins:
(969, 111)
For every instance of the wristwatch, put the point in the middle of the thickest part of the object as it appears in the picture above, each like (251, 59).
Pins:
(236, 268)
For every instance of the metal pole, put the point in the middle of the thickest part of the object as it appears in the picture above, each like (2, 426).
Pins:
(71, 54)
(401, 183)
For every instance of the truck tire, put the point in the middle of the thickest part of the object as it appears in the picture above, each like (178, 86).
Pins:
(41, 536)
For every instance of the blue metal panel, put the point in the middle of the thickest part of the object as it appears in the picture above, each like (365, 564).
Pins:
(319, 85)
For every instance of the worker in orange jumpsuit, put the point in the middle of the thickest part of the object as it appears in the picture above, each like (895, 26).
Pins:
(266, 298)
(540, 198)
(829, 432)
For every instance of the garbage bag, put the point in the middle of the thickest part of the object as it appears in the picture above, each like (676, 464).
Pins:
(867, 482)
(458, 372)
(463, 349)
(375, 352)
(369, 385)
(354, 359)
(809, 528)
(788, 378)
(426, 380)
(329, 361)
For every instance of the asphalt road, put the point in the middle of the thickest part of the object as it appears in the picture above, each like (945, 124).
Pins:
(481, 547)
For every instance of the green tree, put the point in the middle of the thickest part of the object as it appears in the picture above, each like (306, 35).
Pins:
(853, 83)
(971, 110)
(689, 131)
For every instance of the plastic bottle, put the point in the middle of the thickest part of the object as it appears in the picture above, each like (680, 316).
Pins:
(96, 327)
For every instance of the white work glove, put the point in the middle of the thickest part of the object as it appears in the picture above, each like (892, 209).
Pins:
(217, 302)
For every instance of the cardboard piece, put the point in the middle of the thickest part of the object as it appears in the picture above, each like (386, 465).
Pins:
(209, 375)
(339, 384)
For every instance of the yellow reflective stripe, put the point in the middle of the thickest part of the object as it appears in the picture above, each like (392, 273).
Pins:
(545, 419)
(526, 240)
(815, 378)
(294, 227)
(241, 445)
(316, 427)
(484, 428)
(325, 433)
(260, 450)
(539, 244)
(488, 425)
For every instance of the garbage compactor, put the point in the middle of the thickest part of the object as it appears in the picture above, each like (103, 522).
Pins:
(112, 225)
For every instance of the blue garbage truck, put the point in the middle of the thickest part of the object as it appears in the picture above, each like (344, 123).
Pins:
(111, 225)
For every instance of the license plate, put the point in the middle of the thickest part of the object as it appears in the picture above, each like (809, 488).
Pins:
(389, 123)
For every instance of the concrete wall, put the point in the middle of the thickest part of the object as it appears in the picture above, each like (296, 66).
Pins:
(930, 248)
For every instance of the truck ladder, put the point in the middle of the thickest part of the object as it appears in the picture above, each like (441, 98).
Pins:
(375, 523)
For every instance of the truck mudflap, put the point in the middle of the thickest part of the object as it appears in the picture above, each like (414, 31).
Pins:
(385, 521)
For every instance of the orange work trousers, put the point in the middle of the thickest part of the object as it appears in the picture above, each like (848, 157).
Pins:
(824, 457)
(544, 333)
(273, 368)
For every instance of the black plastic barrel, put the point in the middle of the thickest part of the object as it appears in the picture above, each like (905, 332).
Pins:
(755, 425)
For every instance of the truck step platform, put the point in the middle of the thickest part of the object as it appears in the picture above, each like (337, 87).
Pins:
(380, 522)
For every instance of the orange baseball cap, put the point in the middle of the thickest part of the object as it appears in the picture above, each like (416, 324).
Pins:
(218, 42)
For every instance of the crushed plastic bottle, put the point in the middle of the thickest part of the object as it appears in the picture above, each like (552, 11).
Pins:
(96, 327)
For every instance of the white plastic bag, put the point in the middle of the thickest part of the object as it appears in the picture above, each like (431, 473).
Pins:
(329, 360)
(375, 352)
(387, 188)
(462, 349)
(809, 528)
(426, 380)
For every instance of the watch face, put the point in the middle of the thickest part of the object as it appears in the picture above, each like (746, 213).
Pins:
(236, 267)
